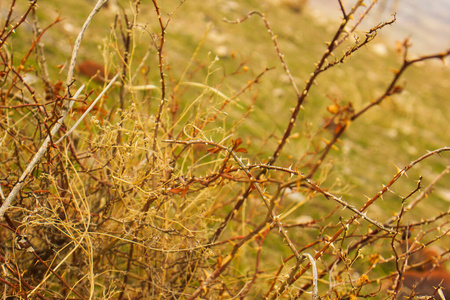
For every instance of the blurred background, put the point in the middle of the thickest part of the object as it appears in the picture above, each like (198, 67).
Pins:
(425, 23)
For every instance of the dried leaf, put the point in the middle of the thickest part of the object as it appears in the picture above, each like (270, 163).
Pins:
(397, 89)
(243, 150)
(213, 150)
(333, 108)
(176, 190)
(185, 190)
(237, 142)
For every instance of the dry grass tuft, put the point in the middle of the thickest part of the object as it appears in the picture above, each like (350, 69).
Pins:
(188, 177)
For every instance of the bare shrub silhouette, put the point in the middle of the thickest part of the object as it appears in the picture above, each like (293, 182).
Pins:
(149, 185)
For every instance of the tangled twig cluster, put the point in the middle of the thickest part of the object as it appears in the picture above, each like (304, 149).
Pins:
(152, 192)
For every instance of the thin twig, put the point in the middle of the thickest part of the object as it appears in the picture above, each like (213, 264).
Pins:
(37, 157)
(89, 109)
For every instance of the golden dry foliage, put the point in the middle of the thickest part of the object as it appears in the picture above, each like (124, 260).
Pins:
(151, 184)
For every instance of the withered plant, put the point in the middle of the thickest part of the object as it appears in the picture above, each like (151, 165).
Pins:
(166, 179)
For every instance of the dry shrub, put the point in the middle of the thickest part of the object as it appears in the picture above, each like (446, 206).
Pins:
(152, 190)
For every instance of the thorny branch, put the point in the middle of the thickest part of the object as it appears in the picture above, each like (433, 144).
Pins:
(94, 220)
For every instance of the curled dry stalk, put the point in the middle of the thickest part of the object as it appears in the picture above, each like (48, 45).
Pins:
(48, 142)
(175, 199)
(64, 112)
(373, 234)
(301, 95)
(370, 201)
(269, 203)
(37, 157)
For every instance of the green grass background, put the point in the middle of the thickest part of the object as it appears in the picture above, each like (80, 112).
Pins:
(400, 130)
